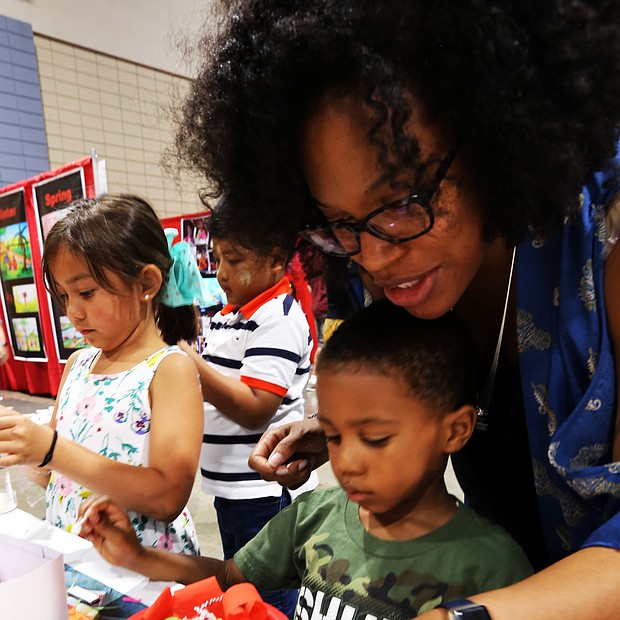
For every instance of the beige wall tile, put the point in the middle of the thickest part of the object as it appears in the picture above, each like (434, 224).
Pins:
(67, 117)
(75, 146)
(50, 101)
(115, 139)
(133, 142)
(131, 124)
(56, 155)
(64, 74)
(82, 54)
(68, 103)
(68, 90)
(44, 54)
(91, 100)
(109, 100)
(63, 60)
(95, 136)
(85, 67)
(134, 155)
(88, 107)
(104, 59)
(89, 87)
(107, 72)
(72, 131)
(92, 122)
(114, 165)
(112, 125)
(53, 128)
(128, 78)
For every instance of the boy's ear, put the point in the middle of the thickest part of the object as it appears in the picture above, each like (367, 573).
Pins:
(459, 425)
(278, 263)
(151, 280)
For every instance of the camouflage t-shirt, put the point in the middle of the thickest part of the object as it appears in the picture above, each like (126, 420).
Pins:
(319, 545)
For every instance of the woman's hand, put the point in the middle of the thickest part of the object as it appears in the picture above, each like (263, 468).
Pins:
(21, 440)
(289, 453)
(107, 526)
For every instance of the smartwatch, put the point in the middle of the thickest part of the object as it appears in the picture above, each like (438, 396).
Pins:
(465, 609)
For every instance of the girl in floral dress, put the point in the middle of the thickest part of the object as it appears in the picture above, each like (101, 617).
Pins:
(128, 417)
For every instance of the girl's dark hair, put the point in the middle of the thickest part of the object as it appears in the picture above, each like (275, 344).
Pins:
(529, 89)
(120, 234)
(434, 358)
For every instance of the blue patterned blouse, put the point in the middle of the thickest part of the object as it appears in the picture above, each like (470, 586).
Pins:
(568, 379)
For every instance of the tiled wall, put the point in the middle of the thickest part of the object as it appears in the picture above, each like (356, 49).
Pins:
(122, 110)
(23, 146)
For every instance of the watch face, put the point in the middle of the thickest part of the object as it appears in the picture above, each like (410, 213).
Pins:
(466, 610)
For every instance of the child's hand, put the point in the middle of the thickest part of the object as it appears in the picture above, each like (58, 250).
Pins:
(108, 527)
(21, 440)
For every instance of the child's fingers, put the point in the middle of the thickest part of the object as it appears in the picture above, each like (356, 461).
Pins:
(102, 511)
(24, 441)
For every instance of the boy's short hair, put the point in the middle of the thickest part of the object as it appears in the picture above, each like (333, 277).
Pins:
(435, 358)
(222, 224)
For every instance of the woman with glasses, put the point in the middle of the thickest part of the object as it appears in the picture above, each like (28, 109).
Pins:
(463, 153)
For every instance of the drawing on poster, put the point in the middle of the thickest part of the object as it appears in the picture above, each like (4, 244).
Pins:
(196, 235)
(15, 251)
(25, 298)
(26, 334)
(71, 337)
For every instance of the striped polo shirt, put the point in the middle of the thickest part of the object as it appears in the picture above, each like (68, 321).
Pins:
(266, 344)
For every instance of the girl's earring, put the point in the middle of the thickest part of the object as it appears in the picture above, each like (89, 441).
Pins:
(146, 297)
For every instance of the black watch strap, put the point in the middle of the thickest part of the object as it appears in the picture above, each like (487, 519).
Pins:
(467, 610)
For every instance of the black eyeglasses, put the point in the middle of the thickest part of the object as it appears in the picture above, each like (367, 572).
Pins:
(400, 221)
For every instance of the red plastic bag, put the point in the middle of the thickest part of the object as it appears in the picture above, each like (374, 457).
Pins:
(199, 600)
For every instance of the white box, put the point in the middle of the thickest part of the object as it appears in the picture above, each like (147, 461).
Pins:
(32, 581)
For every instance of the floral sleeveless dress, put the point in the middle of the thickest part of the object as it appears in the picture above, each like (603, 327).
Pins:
(111, 415)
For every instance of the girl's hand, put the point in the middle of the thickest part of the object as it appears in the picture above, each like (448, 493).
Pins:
(21, 440)
(289, 453)
(107, 526)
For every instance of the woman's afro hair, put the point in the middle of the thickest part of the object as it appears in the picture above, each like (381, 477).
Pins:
(529, 89)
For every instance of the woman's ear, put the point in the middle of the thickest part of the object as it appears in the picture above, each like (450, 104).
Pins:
(150, 282)
(459, 425)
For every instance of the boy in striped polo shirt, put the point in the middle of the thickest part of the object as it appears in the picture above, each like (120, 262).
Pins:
(253, 371)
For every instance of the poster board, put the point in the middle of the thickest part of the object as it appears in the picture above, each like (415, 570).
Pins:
(20, 301)
(51, 196)
(33, 323)
(196, 235)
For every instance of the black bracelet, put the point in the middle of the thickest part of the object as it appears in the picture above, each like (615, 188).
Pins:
(50, 452)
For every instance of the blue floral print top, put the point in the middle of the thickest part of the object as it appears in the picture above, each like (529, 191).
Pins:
(110, 414)
(568, 379)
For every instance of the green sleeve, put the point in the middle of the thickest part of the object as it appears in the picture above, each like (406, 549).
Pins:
(509, 561)
(268, 560)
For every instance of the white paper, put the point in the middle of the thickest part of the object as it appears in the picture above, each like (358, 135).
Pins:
(21, 524)
(115, 577)
(71, 546)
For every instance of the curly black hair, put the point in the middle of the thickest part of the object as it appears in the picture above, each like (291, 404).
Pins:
(223, 224)
(529, 89)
